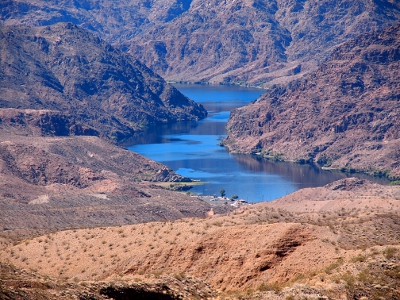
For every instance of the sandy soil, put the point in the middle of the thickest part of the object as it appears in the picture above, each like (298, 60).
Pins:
(277, 248)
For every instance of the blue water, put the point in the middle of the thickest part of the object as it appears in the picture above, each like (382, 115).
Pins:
(191, 149)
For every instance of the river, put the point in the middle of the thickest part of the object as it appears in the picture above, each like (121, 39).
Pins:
(191, 149)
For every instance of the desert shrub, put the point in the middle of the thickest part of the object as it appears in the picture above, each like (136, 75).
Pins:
(389, 252)
(333, 266)
(349, 279)
(274, 287)
(365, 276)
(217, 223)
(179, 276)
(359, 258)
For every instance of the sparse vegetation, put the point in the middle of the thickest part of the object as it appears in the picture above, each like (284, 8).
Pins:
(275, 287)
(389, 252)
(256, 237)
(333, 266)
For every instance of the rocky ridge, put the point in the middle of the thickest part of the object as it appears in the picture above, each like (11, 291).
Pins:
(344, 115)
(98, 90)
(232, 42)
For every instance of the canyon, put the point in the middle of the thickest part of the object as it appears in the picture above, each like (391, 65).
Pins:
(82, 217)
(66, 99)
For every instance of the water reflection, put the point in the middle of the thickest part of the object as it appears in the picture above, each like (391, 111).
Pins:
(303, 175)
(220, 94)
(191, 149)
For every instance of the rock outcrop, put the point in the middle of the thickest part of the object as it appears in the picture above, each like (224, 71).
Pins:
(97, 89)
(26, 285)
(42, 123)
(344, 115)
(245, 41)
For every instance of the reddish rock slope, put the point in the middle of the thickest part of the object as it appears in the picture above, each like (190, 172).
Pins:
(232, 41)
(59, 182)
(346, 114)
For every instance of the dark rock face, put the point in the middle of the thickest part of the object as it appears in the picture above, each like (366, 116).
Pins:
(245, 41)
(23, 284)
(66, 69)
(344, 115)
(42, 123)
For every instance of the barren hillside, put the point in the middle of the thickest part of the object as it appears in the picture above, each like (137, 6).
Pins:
(344, 115)
(49, 183)
(346, 250)
(247, 41)
(64, 95)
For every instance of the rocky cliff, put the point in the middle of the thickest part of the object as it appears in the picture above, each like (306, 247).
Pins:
(231, 41)
(98, 89)
(344, 115)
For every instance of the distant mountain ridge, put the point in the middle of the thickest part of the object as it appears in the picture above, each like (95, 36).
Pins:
(344, 115)
(96, 87)
(233, 41)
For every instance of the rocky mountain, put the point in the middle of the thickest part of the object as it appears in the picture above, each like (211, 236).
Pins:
(97, 89)
(232, 41)
(257, 42)
(344, 115)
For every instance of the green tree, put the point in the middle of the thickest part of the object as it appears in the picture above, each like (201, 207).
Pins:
(234, 197)
(222, 192)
